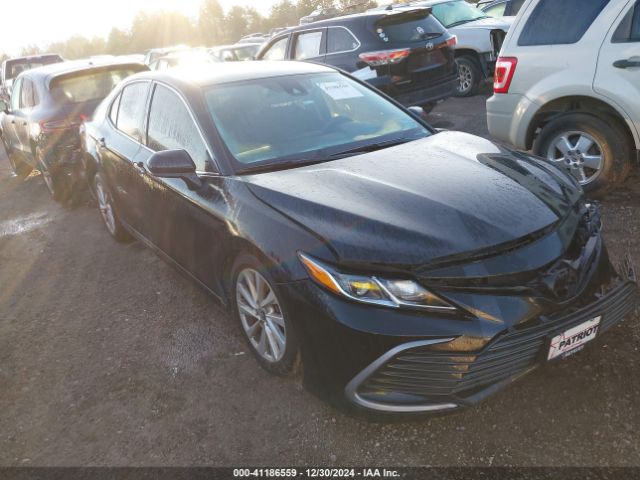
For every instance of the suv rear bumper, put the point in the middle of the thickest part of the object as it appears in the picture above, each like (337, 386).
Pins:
(509, 117)
(422, 95)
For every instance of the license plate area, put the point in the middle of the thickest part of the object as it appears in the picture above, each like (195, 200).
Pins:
(572, 340)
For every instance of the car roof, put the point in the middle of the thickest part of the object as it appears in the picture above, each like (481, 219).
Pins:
(47, 72)
(31, 57)
(229, 72)
(373, 13)
(235, 45)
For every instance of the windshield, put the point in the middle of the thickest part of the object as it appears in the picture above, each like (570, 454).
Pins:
(304, 117)
(457, 12)
(16, 67)
(89, 86)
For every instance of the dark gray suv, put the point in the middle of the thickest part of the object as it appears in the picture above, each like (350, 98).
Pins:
(406, 53)
(39, 126)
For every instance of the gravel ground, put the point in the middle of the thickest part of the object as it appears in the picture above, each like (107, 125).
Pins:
(108, 356)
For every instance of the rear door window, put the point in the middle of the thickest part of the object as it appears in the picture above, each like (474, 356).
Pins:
(629, 28)
(133, 101)
(308, 45)
(26, 96)
(554, 22)
(15, 95)
(171, 127)
(401, 28)
(277, 51)
(341, 40)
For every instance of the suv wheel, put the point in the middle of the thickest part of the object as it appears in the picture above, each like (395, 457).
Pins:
(53, 182)
(264, 319)
(469, 76)
(18, 167)
(595, 151)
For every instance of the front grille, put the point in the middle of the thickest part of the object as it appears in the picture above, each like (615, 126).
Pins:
(430, 374)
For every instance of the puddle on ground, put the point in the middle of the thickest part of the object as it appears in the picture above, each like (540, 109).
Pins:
(22, 225)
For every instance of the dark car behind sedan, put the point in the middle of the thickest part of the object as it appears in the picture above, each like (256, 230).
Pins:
(12, 67)
(405, 53)
(412, 271)
(39, 127)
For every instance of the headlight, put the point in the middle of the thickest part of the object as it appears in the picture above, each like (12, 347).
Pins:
(375, 290)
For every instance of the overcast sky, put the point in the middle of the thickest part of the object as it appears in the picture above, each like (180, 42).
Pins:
(26, 22)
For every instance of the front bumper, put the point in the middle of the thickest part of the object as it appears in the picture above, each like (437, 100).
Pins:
(401, 361)
(415, 377)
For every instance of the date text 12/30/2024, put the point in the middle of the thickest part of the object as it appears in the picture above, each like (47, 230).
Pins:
(315, 473)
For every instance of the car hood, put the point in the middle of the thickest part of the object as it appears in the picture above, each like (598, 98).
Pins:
(492, 23)
(448, 194)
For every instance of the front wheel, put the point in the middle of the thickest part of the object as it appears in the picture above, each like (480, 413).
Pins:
(263, 316)
(596, 152)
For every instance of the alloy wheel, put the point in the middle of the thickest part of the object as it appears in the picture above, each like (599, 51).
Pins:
(579, 153)
(48, 179)
(106, 210)
(465, 78)
(261, 315)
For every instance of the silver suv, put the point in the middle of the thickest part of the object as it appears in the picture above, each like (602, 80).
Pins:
(567, 85)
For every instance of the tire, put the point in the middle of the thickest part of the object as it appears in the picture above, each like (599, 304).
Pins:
(605, 139)
(108, 212)
(259, 326)
(18, 167)
(55, 183)
(469, 76)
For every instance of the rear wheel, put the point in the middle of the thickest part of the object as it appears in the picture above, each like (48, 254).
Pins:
(468, 76)
(263, 317)
(53, 182)
(18, 167)
(108, 211)
(596, 152)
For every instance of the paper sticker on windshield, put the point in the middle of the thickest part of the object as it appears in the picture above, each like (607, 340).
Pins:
(340, 90)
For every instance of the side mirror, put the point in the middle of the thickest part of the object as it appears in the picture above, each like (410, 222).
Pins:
(175, 164)
(418, 112)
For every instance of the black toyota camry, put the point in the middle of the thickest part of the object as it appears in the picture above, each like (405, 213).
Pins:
(410, 270)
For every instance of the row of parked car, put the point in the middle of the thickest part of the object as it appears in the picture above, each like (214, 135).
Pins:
(410, 270)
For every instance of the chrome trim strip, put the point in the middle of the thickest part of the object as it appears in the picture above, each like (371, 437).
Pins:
(351, 390)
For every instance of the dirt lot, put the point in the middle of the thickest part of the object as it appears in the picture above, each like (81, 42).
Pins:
(110, 357)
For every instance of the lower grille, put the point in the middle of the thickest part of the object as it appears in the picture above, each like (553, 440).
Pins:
(438, 377)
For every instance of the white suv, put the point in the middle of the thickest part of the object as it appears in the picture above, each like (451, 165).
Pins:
(567, 85)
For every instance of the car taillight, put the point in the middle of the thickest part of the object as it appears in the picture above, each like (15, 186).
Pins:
(452, 42)
(505, 68)
(385, 57)
(50, 125)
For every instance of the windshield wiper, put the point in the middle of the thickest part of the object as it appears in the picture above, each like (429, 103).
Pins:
(429, 35)
(321, 156)
(272, 167)
(371, 147)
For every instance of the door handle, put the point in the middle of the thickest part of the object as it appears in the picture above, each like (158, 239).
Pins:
(102, 143)
(139, 166)
(626, 64)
